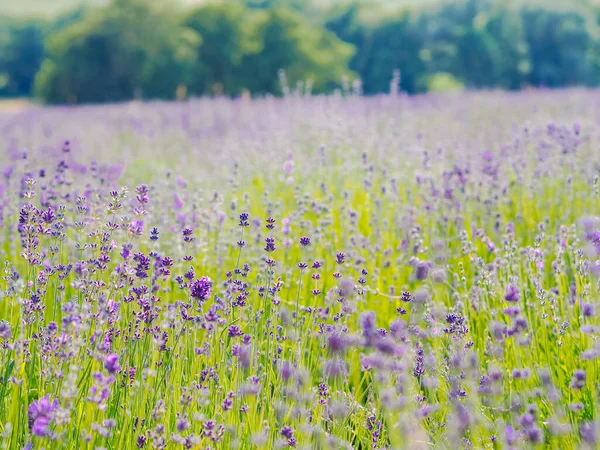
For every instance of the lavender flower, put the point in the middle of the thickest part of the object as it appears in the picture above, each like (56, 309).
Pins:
(5, 332)
(422, 270)
(512, 293)
(40, 414)
(588, 432)
(111, 363)
(244, 220)
(287, 432)
(200, 289)
(578, 380)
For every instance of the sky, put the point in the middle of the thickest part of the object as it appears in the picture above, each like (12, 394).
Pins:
(49, 8)
(53, 7)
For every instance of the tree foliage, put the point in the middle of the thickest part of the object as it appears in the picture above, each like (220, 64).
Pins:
(558, 47)
(116, 53)
(140, 48)
(244, 49)
(21, 53)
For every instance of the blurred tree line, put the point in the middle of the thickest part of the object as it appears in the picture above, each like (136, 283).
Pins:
(135, 49)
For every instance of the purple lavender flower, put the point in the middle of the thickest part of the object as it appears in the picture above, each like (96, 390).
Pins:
(201, 289)
(140, 441)
(511, 294)
(406, 297)
(182, 424)
(286, 369)
(419, 369)
(269, 244)
(336, 342)
(367, 323)
(422, 270)
(578, 380)
(588, 432)
(287, 432)
(48, 216)
(228, 402)
(187, 235)
(535, 435)
(520, 324)
(234, 331)
(5, 332)
(288, 166)
(512, 435)
(40, 414)
(111, 363)
(244, 220)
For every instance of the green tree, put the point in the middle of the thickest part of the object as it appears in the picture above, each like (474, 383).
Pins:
(306, 52)
(348, 26)
(396, 44)
(559, 45)
(229, 33)
(21, 53)
(114, 52)
(245, 48)
(480, 42)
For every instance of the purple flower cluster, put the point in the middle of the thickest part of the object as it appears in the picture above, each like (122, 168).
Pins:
(201, 289)
(40, 414)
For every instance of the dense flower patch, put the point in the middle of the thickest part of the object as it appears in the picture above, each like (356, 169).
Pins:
(308, 272)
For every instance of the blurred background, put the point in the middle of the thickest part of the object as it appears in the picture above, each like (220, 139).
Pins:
(95, 51)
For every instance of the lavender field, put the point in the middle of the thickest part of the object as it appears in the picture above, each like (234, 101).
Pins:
(309, 272)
